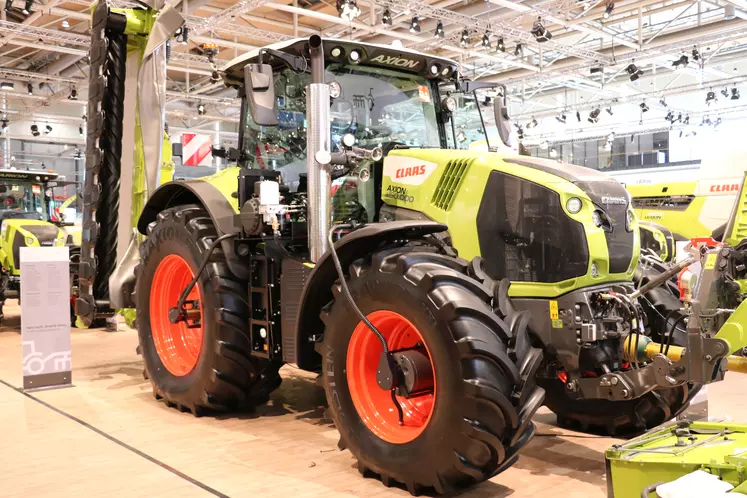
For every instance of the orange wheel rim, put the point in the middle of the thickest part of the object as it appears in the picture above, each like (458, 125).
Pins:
(374, 405)
(177, 345)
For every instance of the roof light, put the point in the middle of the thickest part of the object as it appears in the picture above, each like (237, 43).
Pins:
(27, 7)
(633, 72)
(711, 97)
(486, 40)
(348, 9)
(355, 56)
(594, 115)
(65, 24)
(464, 40)
(414, 25)
(499, 45)
(541, 34)
(681, 63)
(30, 88)
(643, 106)
(386, 18)
(6, 85)
(735, 93)
(440, 30)
(73, 94)
(608, 9)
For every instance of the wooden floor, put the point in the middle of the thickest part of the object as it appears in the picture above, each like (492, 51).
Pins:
(107, 436)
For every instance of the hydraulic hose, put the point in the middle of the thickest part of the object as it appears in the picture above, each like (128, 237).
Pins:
(660, 279)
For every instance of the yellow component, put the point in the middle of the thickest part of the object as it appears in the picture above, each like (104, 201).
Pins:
(557, 324)
(710, 263)
(553, 310)
(675, 353)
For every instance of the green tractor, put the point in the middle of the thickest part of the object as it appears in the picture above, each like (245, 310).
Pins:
(442, 295)
(25, 221)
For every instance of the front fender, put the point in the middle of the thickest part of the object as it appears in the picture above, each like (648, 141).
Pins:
(318, 289)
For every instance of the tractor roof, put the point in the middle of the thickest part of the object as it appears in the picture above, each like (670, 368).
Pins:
(31, 175)
(335, 50)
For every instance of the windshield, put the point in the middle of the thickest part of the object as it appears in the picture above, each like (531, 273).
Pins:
(21, 199)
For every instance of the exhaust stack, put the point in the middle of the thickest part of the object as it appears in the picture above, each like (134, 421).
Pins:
(317, 153)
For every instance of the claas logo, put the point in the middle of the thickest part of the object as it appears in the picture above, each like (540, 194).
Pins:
(725, 187)
(410, 171)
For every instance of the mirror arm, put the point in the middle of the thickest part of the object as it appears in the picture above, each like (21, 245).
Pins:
(296, 63)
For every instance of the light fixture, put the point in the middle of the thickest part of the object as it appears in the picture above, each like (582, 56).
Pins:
(594, 115)
(608, 9)
(47, 130)
(440, 30)
(214, 76)
(386, 18)
(6, 85)
(355, 56)
(520, 132)
(609, 110)
(725, 92)
(578, 116)
(201, 109)
(595, 69)
(8, 5)
(717, 122)
(711, 97)
(730, 12)
(487, 101)
(519, 50)
(73, 94)
(499, 45)
(35, 130)
(27, 7)
(696, 54)
(633, 71)
(532, 123)
(541, 34)
(643, 106)
(184, 36)
(669, 117)
(348, 9)
(4, 124)
(662, 102)
(30, 88)
(687, 119)
(486, 40)
(464, 39)
(414, 25)
(560, 118)
(681, 63)
(65, 24)
(735, 93)
(80, 130)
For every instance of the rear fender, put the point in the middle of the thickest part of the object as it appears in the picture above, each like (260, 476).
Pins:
(298, 341)
(215, 195)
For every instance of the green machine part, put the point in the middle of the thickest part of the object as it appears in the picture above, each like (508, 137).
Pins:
(447, 195)
(673, 205)
(677, 449)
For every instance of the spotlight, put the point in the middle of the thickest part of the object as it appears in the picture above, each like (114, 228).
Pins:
(633, 72)
(594, 115)
(608, 10)
(519, 50)
(6, 85)
(487, 101)
(644, 107)
(687, 119)
(27, 8)
(679, 117)
(578, 116)
(499, 45)
(595, 70)
(73, 94)
(80, 130)
(184, 38)
(464, 40)
(440, 30)
(386, 18)
(532, 124)
(609, 111)
(414, 25)
(670, 117)
(4, 124)
(348, 9)
(35, 130)
(214, 76)
(486, 40)
(696, 54)
(711, 97)
(541, 34)
(735, 93)
(725, 92)
(8, 5)
(717, 122)
(65, 24)
(30, 88)
(201, 109)
(47, 130)
(560, 118)
(520, 132)
(681, 63)
(662, 102)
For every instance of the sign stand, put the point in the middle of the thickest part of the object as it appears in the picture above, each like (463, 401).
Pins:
(45, 317)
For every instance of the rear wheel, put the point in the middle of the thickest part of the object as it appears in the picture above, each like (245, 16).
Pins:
(208, 364)
(473, 415)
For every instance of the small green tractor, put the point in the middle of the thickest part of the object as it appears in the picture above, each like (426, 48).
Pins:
(442, 295)
(26, 220)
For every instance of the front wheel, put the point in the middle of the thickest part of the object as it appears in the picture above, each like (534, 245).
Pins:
(472, 413)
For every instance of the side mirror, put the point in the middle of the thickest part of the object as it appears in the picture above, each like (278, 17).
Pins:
(260, 94)
(502, 121)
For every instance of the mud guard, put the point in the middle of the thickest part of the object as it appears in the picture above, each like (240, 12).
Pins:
(184, 192)
(298, 347)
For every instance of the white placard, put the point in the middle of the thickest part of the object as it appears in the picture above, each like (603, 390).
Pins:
(45, 317)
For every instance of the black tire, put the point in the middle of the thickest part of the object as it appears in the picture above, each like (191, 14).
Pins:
(615, 418)
(486, 394)
(226, 375)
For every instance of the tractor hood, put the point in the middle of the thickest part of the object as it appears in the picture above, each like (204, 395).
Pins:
(16, 233)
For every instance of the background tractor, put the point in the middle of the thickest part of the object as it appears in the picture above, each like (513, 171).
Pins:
(438, 292)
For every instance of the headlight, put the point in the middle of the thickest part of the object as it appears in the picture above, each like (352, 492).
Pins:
(629, 220)
(596, 217)
(335, 90)
(449, 104)
(59, 242)
(573, 205)
(30, 241)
